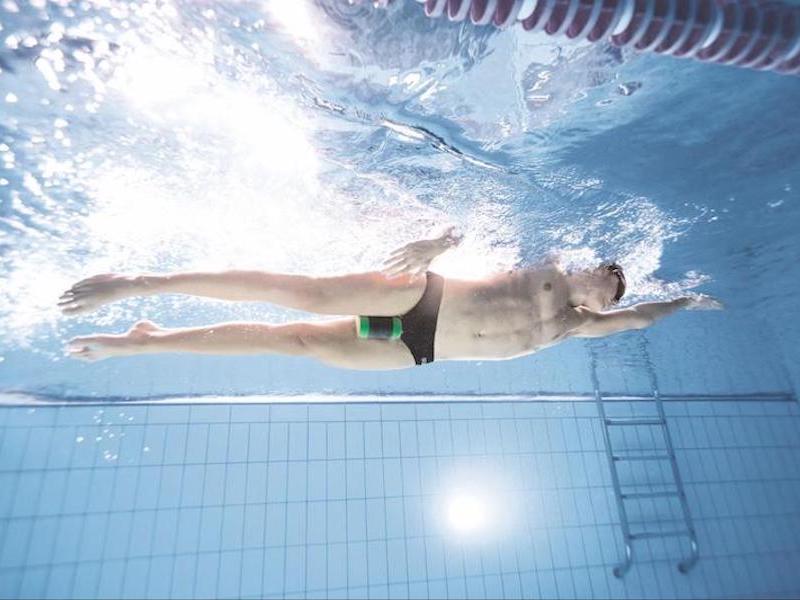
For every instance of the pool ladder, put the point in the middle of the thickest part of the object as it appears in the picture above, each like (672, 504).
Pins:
(618, 456)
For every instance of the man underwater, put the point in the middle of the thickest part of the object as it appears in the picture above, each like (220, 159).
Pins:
(407, 315)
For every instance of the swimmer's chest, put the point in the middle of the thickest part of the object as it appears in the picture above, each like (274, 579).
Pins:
(505, 316)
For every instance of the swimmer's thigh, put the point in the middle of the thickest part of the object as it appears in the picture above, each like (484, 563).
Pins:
(336, 343)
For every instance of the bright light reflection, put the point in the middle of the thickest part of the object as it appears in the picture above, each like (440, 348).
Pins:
(467, 513)
(296, 18)
(478, 503)
(154, 78)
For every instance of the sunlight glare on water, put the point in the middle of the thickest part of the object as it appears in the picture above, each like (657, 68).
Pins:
(195, 170)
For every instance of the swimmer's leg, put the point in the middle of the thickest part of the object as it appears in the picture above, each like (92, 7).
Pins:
(333, 342)
(373, 293)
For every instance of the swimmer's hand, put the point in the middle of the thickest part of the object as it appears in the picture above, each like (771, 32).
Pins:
(701, 302)
(93, 292)
(414, 258)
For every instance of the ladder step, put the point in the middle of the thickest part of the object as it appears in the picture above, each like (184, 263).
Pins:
(644, 535)
(634, 495)
(634, 421)
(641, 457)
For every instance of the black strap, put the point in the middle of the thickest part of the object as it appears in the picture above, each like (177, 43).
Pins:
(419, 324)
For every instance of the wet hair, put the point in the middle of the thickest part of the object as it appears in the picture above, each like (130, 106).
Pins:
(617, 270)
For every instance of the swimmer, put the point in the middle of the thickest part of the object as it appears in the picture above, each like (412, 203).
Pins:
(403, 315)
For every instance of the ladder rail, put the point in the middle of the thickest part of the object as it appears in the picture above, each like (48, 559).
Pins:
(620, 569)
(614, 458)
(687, 563)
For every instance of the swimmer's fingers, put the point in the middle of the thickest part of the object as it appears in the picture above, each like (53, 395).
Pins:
(413, 269)
(419, 248)
(401, 268)
(397, 270)
(409, 249)
(409, 256)
(392, 263)
(399, 251)
(704, 302)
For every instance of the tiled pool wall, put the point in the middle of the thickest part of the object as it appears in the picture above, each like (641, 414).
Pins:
(345, 500)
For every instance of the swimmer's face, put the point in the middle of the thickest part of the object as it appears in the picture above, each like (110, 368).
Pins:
(609, 287)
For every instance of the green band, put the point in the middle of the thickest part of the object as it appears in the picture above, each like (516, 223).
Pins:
(363, 327)
(367, 330)
(397, 328)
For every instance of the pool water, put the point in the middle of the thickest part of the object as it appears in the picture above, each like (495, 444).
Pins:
(315, 137)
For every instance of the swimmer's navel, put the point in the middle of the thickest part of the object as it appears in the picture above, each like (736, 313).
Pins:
(547, 286)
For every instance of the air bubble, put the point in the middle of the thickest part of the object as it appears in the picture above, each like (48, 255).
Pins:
(628, 88)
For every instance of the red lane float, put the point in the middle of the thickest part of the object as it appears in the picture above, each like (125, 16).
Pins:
(757, 34)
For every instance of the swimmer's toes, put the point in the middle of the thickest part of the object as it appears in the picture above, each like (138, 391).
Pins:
(79, 351)
(88, 349)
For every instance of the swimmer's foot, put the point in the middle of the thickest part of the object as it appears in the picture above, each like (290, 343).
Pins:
(92, 348)
(94, 292)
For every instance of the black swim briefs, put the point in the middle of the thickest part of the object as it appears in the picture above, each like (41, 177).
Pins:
(419, 324)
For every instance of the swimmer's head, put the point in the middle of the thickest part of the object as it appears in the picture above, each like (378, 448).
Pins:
(614, 271)
(597, 288)
(607, 286)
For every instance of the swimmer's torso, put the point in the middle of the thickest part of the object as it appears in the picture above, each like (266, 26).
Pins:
(507, 315)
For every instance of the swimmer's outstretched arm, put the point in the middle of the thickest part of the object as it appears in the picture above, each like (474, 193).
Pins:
(638, 316)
